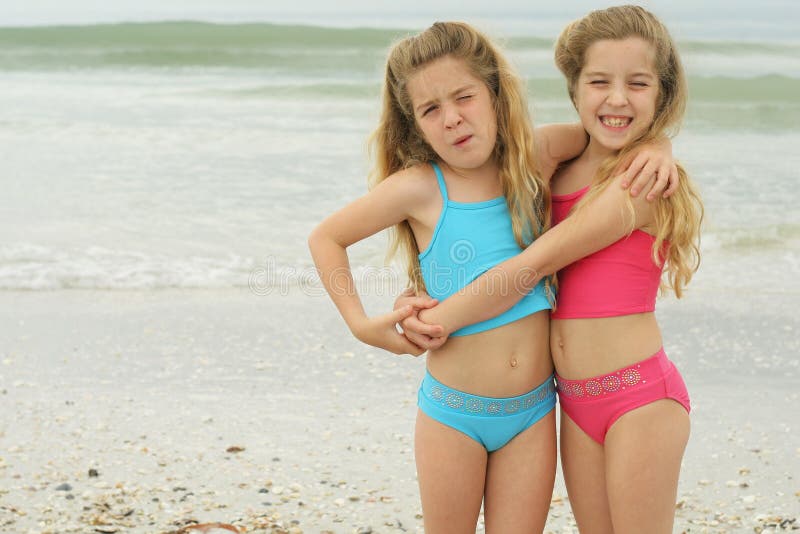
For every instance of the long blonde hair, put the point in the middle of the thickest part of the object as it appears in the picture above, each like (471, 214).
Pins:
(677, 218)
(398, 143)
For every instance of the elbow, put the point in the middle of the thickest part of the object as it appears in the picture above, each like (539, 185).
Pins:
(314, 240)
(543, 271)
(533, 271)
(321, 243)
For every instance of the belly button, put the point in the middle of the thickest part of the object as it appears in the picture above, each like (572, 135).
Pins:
(513, 362)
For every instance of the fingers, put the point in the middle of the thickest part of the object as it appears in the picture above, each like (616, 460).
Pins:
(422, 334)
(435, 342)
(399, 314)
(666, 182)
(419, 303)
(674, 181)
(403, 344)
(414, 325)
(425, 342)
(409, 299)
(427, 304)
(642, 179)
(632, 170)
(659, 184)
(403, 298)
(419, 340)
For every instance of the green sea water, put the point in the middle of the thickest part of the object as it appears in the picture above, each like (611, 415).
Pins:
(188, 154)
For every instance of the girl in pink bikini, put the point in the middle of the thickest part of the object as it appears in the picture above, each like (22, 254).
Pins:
(624, 405)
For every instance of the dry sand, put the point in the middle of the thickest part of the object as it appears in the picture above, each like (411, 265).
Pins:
(150, 411)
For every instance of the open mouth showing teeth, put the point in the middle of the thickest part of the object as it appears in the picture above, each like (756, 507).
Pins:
(616, 122)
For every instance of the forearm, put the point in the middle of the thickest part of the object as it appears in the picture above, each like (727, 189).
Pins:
(557, 143)
(333, 267)
(570, 143)
(598, 225)
(497, 290)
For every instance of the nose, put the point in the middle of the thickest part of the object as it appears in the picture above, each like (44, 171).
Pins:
(617, 96)
(452, 117)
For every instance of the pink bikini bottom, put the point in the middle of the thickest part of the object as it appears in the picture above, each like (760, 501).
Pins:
(594, 404)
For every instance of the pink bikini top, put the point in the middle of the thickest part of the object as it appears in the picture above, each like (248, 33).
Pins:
(620, 279)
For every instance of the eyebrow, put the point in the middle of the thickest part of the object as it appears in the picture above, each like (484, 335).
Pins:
(636, 74)
(452, 93)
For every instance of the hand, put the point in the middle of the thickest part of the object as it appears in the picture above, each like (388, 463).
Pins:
(652, 161)
(381, 332)
(426, 336)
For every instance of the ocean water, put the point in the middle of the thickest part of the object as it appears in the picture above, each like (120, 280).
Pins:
(197, 155)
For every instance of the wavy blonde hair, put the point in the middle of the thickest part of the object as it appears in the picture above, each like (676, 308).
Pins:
(677, 218)
(398, 143)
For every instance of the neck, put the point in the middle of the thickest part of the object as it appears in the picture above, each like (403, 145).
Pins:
(595, 153)
(489, 171)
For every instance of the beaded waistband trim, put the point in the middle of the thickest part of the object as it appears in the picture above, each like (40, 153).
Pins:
(454, 400)
(628, 377)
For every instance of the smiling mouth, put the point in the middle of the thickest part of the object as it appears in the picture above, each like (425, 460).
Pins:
(615, 122)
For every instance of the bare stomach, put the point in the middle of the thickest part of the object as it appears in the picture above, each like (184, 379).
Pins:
(502, 362)
(583, 348)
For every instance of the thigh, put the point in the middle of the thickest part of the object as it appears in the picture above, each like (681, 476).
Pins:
(519, 480)
(451, 469)
(644, 449)
(583, 464)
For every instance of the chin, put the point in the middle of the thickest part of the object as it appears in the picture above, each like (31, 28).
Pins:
(613, 144)
(468, 161)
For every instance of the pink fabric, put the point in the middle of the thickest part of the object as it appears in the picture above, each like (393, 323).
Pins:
(620, 279)
(594, 404)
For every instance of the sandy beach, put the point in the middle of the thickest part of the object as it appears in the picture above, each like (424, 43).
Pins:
(137, 411)
(157, 155)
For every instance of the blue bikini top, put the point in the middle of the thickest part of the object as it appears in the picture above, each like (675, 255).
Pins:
(469, 239)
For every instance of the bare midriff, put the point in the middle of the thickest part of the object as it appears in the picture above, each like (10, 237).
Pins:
(502, 362)
(584, 348)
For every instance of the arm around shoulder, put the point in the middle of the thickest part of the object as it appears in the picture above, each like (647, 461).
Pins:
(557, 143)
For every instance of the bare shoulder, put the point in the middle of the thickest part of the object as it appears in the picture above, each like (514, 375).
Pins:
(418, 182)
(643, 210)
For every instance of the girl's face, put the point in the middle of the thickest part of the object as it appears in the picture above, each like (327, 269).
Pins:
(455, 112)
(616, 92)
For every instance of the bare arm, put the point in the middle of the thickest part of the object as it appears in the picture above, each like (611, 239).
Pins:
(558, 143)
(600, 223)
(554, 144)
(389, 203)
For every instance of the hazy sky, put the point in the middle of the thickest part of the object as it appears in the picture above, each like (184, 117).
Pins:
(700, 14)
